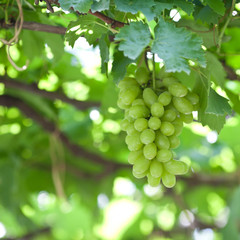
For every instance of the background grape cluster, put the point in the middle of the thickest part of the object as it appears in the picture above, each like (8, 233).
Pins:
(153, 121)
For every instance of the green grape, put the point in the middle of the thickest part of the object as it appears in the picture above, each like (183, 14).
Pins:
(156, 168)
(196, 107)
(141, 124)
(140, 175)
(150, 151)
(147, 136)
(142, 75)
(169, 115)
(131, 129)
(152, 181)
(128, 95)
(133, 142)
(139, 111)
(174, 141)
(154, 123)
(133, 156)
(169, 81)
(193, 98)
(177, 90)
(167, 128)
(182, 105)
(168, 179)
(121, 105)
(176, 167)
(162, 141)
(178, 125)
(127, 82)
(157, 109)
(124, 124)
(127, 116)
(165, 98)
(164, 155)
(138, 101)
(149, 96)
(187, 118)
(141, 165)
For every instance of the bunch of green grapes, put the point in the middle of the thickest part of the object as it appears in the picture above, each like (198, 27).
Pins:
(153, 122)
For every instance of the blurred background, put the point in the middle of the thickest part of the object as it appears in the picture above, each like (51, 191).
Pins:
(64, 173)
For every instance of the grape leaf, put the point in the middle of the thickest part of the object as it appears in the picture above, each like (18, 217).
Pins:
(81, 6)
(215, 122)
(206, 14)
(100, 5)
(165, 4)
(119, 66)
(176, 46)
(133, 6)
(217, 104)
(87, 26)
(217, 6)
(134, 38)
(104, 53)
(216, 69)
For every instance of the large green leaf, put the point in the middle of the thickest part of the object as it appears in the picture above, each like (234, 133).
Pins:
(217, 6)
(134, 38)
(133, 6)
(176, 46)
(78, 5)
(217, 104)
(87, 26)
(100, 5)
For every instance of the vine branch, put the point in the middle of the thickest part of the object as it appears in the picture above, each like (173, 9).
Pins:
(33, 88)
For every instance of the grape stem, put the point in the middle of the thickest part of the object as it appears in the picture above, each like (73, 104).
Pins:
(153, 74)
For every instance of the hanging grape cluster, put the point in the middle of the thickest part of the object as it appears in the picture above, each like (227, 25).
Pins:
(153, 121)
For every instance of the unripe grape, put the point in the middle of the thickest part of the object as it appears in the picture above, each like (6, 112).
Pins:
(141, 165)
(182, 105)
(139, 175)
(131, 129)
(165, 98)
(152, 181)
(193, 98)
(169, 81)
(167, 128)
(162, 141)
(121, 105)
(157, 109)
(176, 167)
(127, 95)
(141, 124)
(133, 142)
(187, 118)
(150, 151)
(174, 141)
(138, 101)
(139, 111)
(177, 90)
(154, 123)
(124, 124)
(169, 115)
(142, 76)
(168, 179)
(147, 136)
(149, 96)
(127, 116)
(156, 168)
(133, 156)
(178, 125)
(127, 82)
(164, 155)
(196, 107)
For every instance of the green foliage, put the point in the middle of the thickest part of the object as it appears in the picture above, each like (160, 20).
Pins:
(175, 46)
(64, 170)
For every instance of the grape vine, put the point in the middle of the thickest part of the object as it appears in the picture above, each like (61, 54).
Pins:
(153, 122)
